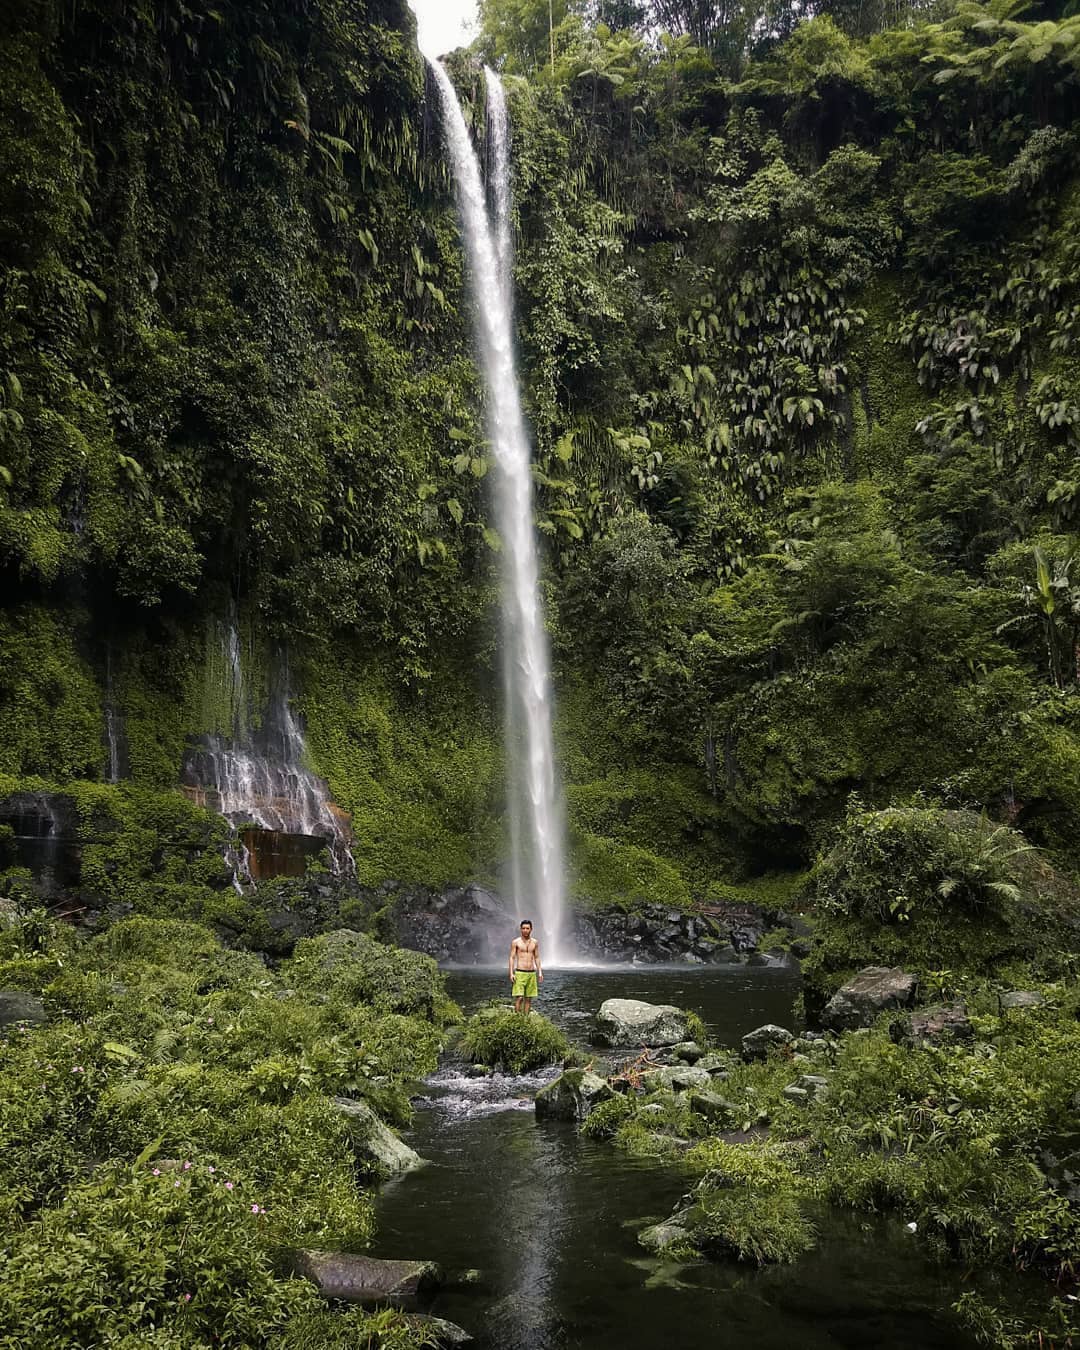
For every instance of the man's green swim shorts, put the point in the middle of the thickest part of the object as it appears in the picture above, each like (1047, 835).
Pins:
(525, 985)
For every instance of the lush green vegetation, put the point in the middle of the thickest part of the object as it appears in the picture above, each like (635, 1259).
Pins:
(510, 1041)
(171, 1129)
(799, 312)
(798, 326)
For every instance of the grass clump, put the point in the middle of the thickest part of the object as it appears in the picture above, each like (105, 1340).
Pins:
(509, 1041)
(757, 1226)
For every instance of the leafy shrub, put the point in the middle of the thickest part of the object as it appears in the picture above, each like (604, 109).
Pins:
(356, 1329)
(356, 967)
(751, 1225)
(890, 864)
(510, 1041)
(605, 1120)
(142, 1249)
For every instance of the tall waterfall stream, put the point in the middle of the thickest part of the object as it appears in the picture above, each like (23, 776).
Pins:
(536, 824)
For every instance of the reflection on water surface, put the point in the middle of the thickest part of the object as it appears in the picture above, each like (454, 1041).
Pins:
(550, 1218)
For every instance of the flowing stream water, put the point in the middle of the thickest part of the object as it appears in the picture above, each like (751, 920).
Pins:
(536, 823)
(549, 1219)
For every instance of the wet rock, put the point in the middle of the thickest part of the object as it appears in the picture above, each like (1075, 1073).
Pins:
(462, 923)
(364, 1279)
(16, 1006)
(724, 955)
(796, 1094)
(438, 1331)
(931, 1026)
(374, 1140)
(628, 1022)
(756, 1044)
(673, 1232)
(689, 1051)
(1020, 999)
(572, 1096)
(677, 1077)
(714, 1063)
(874, 990)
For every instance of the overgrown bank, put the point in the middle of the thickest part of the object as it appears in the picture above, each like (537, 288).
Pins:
(172, 1120)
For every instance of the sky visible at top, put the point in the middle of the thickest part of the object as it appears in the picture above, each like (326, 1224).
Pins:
(444, 24)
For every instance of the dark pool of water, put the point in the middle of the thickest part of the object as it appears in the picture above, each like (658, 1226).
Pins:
(550, 1218)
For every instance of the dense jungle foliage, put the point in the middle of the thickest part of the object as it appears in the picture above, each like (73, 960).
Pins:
(799, 311)
(798, 308)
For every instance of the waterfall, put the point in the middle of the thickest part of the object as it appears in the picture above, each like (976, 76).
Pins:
(258, 780)
(536, 822)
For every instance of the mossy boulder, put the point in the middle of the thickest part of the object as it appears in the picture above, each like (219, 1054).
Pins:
(375, 1141)
(357, 967)
(574, 1095)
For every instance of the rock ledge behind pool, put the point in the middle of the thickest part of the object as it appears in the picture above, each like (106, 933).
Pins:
(627, 1023)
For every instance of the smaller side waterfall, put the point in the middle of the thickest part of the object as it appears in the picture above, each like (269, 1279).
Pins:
(258, 780)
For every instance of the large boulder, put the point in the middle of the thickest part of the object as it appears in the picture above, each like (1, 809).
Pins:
(628, 1023)
(574, 1095)
(364, 1279)
(374, 1140)
(756, 1044)
(874, 990)
(16, 1006)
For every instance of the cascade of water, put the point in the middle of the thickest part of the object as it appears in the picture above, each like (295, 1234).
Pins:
(259, 779)
(538, 868)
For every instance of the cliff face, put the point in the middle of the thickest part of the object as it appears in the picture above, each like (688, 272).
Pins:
(802, 373)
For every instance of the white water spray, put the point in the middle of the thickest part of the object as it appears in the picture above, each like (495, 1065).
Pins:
(536, 823)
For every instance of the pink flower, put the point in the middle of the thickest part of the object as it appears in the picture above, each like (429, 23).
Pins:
(228, 1185)
(156, 1172)
(176, 1185)
(185, 1298)
(187, 1167)
(211, 1170)
(77, 1068)
(254, 1209)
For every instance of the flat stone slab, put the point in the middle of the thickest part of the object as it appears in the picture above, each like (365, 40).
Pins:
(1018, 998)
(16, 1006)
(872, 991)
(630, 1023)
(365, 1279)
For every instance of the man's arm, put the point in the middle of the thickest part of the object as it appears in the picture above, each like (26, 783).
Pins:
(512, 946)
(539, 969)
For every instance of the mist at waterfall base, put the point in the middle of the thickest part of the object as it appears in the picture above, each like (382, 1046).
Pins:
(536, 827)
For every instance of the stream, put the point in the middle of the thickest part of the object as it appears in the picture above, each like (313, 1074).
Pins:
(550, 1219)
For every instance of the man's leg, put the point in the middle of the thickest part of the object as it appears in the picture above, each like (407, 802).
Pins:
(517, 1003)
(528, 1006)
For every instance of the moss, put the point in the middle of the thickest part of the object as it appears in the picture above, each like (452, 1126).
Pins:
(49, 700)
(609, 874)
(420, 777)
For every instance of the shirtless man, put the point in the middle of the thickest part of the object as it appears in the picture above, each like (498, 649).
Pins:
(526, 975)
